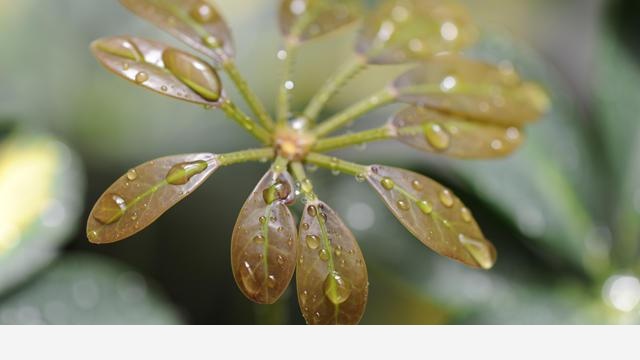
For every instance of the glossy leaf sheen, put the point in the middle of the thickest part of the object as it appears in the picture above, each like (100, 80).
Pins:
(314, 18)
(144, 193)
(195, 22)
(474, 90)
(433, 214)
(183, 77)
(263, 244)
(328, 249)
(401, 31)
(449, 135)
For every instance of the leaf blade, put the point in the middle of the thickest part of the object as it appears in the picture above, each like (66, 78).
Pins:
(195, 22)
(433, 215)
(331, 276)
(144, 193)
(263, 243)
(308, 19)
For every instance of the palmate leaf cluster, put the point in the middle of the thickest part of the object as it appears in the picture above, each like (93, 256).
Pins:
(455, 107)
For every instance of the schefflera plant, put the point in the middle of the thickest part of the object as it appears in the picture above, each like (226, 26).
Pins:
(455, 107)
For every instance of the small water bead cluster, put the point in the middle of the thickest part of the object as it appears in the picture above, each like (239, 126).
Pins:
(454, 107)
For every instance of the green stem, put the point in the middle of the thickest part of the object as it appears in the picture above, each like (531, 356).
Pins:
(284, 89)
(338, 142)
(252, 100)
(245, 121)
(333, 163)
(245, 156)
(356, 111)
(346, 72)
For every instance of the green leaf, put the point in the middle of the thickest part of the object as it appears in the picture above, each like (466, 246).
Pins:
(41, 187)
(163, 69)
(440, 133)
(331, 277)
(474, 90)
(87, 289)
(197, 23)
(140, 196)
(263, 244)
(433, 214)
(304, 20)
(401, 31)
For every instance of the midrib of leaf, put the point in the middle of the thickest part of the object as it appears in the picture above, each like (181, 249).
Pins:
(331, 267)
(265, 248)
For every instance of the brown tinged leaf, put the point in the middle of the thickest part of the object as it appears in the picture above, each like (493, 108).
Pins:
(263, 244)
(433, 214)
(440, 133)
(163, 69)
(195, 22)
(400, 31)
(331, 276)
(144, 193)
(473, 90)
(308, 19)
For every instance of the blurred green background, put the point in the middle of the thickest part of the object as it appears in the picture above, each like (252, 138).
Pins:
(564, 212)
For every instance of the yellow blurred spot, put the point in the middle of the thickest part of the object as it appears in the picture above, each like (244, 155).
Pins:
(26, 172)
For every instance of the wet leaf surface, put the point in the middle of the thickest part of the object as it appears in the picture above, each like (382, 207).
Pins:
(263, 244)
(450, 135)
(195, 22)
(433, 214)
(331, 277)
(474, 90)
(402, 31)
(163, 69)
(144, 193)
(308, 19)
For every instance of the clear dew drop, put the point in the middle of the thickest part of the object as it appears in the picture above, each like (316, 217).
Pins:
(92, 235)
(110, 209)
(262, 220)
(361, 178)
(181, 173)
(481, 252)
(466, 215)
(449, 31)
(203, 13)
(248, 279)
(403, 205)
(425, 207)
(141, 77)
(194, 73)
(387, 183)
(164, 88)
(446, 198)
(313, 241)
(437, 136)
(280, 260)
(258, 239)
(324, 255)
(448, 84)
(278, 191)
(312, 211)
(305, 226)
(336, 288)
(417, 185)
(132, 175)
(271, 281)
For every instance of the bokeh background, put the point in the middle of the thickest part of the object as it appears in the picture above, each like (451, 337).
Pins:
(564, 212)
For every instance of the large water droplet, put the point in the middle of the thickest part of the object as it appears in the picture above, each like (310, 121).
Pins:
(417, 185)
(258, 239)
(132, 174)
(387, 183)
(313, 241)
(203, 13)
(466, 215)
(141, 77)
(110, 209)
(120, 47)
(312, 211)
(336, 288)
(248, 279)
(324, 255)
(193, 72)
(278, 191)
(446, 198)
(425, 207)
(181, 173)
(482, 253)
(403, 205)
(437, 136)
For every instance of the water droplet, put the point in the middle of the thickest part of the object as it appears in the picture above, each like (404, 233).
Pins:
(258, 239)
(181, 173)
(92, 235)
(282, 55)
(387, 183)
(248, 279)
(120, 47)
(280, 260)
(497, 145)
(271, 281)
(280, 229)
(417, 185)
(403, 205)
(437, 136)
(193, 72)
(386, 30)
(125, 66)
(132, 175)
(466, 215)
(312, 211)
(336, 288)
(297, 7)
(361, 178)
(289, 85)
(164, 88)
(482, 253)
(262, 220)
(324, 255)
(306, 186)
(313, 241)
(305, 226)
(278, 191)
(446, 198)
(449, 31)
(203, 13)
(141, 77)
(338, 250)
(425, 207)
(110, 209)
(448, 83)
(513, 134)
